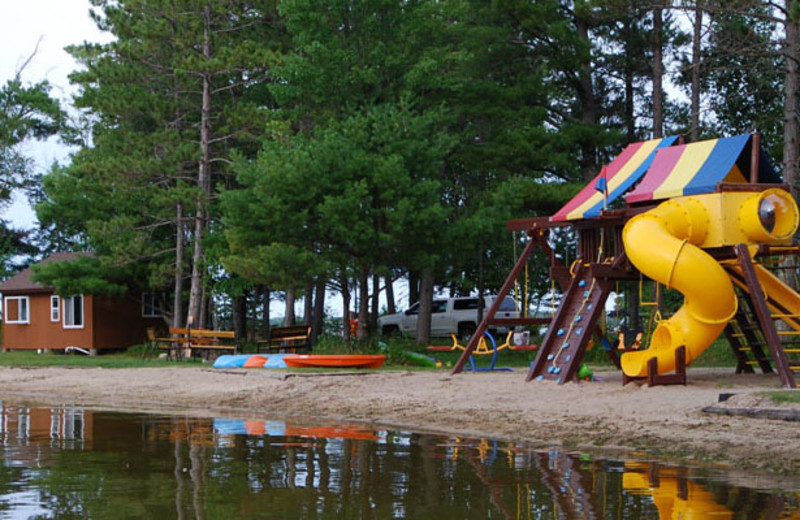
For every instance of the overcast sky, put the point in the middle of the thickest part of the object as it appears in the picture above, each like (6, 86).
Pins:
(54, 24)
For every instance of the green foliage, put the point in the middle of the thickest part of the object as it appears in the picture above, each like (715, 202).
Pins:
(744, 73)
(782, 397)
(84, 275)
(133, 189)
(26, 112)
(719, 354)
(342, 138)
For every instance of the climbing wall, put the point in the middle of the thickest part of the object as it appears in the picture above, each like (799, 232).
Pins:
(561, 353)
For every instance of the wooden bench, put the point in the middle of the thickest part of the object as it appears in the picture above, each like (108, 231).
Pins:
(174, 344)
(208, 342)
(184, 341)
(286, 339)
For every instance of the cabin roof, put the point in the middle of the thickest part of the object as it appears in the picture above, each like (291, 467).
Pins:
(22, 282)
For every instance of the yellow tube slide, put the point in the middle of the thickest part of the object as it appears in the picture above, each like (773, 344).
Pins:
(692, 502)
(662, 244)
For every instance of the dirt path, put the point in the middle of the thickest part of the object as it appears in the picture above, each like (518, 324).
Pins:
(590, 416)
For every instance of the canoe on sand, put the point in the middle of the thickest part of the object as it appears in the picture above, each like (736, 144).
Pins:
(335, 360)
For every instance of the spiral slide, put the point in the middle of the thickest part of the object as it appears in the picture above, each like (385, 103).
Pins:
(668, 244)
(663, 244)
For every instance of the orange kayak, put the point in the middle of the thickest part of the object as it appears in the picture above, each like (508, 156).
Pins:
(335, 360)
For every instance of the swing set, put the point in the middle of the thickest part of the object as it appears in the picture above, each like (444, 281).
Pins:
(483, 349)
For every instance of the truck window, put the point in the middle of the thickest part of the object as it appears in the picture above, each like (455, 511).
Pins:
(414, 309)
(439, 306)
(508, 304)
(464, 304)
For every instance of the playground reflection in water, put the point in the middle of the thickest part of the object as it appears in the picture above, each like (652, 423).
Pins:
(70, 462)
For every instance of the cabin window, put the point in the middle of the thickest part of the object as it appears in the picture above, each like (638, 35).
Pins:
(16, 309)
(152, 303)
(55, 308)
(73, 312)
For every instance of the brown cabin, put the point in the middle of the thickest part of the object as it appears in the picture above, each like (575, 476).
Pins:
(34, 317)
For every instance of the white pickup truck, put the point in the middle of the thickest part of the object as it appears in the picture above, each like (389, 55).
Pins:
(448, 316)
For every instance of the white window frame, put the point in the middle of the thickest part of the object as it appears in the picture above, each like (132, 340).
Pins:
(19, 321)
(68, 303)
(55, 308)
(150, 299)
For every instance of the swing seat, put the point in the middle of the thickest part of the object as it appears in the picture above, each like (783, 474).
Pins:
(446, 348)
(523, 347)
(439, 348)
(637, 341)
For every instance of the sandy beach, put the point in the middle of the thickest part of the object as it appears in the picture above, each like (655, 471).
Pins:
(596, 416)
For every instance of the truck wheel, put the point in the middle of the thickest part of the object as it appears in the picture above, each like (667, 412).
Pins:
(466, 330)
(390, 330)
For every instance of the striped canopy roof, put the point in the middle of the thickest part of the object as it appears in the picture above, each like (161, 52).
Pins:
(622, 173)
(698, 167)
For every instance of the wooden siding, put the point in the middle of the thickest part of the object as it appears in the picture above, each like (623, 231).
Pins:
(119, 323)
(107, 324)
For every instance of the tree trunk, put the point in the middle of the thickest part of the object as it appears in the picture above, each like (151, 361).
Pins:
(319, 310)
(790, 106)
(413, 288)
(363, 303)
(288, 317)
(205, 314)
(345, 308)
(425, 306)
(177, 295)
(265, 324)
(308, 305)
(630, 118)
(588, 104)
(239, 315)
(203, 181)
(390, 306)
(481, 285)
(694, 131)
(375, 300)
(658, 73)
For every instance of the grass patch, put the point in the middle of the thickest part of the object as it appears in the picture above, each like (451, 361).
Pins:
(133, 358)
(719, 354)
(782, 396)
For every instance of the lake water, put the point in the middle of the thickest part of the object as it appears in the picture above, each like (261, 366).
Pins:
(68, 462)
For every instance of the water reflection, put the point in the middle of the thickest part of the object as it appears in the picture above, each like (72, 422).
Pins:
(68, 462)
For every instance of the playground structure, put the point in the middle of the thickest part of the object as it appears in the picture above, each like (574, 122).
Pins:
(710, 219)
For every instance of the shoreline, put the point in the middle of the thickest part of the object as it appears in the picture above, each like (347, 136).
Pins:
(600, 416)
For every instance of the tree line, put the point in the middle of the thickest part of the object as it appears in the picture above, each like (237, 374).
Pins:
(228, 153)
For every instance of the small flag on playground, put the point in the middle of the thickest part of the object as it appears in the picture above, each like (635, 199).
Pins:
(601, 185)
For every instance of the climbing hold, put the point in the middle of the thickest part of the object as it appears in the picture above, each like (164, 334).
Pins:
(550, 370)
(589, 307)
(560, 332)
(578, 317)
(557, 370)
(550, 357)
(582, 283)
(568, 358)
(578, 331)
(585, 294)
(540, 378)
(565, 345)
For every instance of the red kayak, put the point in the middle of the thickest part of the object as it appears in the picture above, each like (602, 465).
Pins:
(335, 360)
